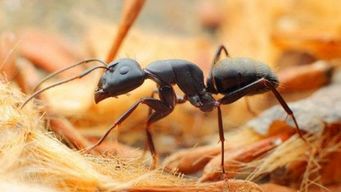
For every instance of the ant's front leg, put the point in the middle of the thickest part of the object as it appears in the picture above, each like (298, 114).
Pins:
(155, 104)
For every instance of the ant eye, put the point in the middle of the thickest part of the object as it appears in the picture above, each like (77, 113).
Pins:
(124, 70)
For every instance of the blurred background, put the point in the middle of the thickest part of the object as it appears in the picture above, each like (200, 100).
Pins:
(299, 40)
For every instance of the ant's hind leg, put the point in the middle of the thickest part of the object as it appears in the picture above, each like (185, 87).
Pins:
(237, 94)
(285, 107)
(210, 79)
(220, 49)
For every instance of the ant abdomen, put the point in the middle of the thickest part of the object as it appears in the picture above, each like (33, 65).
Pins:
(231, 74)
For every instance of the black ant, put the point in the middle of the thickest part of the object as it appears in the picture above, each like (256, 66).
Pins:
(231, 77)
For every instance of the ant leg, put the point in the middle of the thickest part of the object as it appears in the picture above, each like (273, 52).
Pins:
(285, 106)
(221, 137)
(237, 94)
(220, 49)
(181, 100)
(161, 110)
(151, 146)
(210, 80)
(117, 122)
(152, 95)
(61, 82)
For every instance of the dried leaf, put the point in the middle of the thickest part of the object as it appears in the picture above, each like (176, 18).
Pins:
(48, 51)
(305, 78)
(234, 158)
(311, 113)
(194, 159)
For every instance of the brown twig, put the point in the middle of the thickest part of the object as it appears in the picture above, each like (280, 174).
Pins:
(28, 76)
(130, 12)
(65, 129)
(69, 133)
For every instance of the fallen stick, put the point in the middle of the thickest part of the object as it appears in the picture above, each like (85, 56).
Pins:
(131, 10)
(69, 133)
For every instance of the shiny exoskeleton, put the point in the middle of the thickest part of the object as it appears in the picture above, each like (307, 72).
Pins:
(231, 77)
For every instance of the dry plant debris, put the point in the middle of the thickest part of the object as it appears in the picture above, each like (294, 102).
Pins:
(47, 50)
(273, 148)
(31, 156)
(296, 78)
(8, 55)
(270, 151)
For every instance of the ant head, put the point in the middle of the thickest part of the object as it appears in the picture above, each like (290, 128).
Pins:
(122, 76)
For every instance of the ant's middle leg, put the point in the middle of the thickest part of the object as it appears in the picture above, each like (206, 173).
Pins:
(161, 110)
(150, 110)
(222, 139)
(152, 95)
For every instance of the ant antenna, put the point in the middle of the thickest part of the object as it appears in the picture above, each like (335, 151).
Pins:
(65, 69)
(62, 82)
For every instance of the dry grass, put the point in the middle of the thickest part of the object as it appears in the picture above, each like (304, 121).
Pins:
(30, 154)
(31, 157)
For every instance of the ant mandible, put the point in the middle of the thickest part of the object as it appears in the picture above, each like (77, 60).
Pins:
(231, 77)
